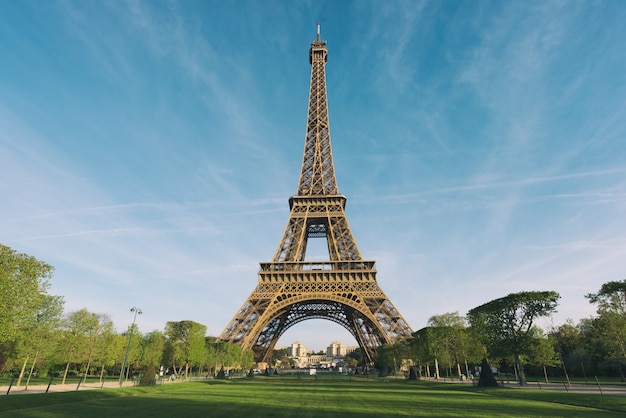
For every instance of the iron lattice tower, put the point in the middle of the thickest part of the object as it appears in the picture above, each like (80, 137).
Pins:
(342, 289)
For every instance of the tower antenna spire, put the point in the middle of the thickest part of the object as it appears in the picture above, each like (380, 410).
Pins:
(318, 31)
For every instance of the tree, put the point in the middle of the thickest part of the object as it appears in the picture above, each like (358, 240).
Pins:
(506, 324)
(610, 326)
(452, 334)
(391, 356)
(102, 324)
(568, 344)
(185, 345)
(541, 352)
(611, 297)
(428, 347)
(77, 342)
(23, 283)
(247, 359)
(604, 340)
(39, 338)
(110, 349)
(131, 356)
(231, 355)
(152, 346)
(486, 378)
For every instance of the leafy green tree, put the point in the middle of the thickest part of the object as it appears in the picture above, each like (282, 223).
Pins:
(570, 345)
(506, 324)
(77, 342)
(610, 326)
(604, 341)
(23, 283)
(279, 356)
(132, 338)
(148, 375)
(185, 345)
(110, 348)
(352, 359)
(453, 335)
(611, 297)
(391, 356)
(152, 346)
(211, 358)
(542, 352)
(427, 346)
(103, 323)
(231, 356)
(39, 340)
(247, 359)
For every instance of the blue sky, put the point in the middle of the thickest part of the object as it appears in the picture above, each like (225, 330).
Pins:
(148, 149)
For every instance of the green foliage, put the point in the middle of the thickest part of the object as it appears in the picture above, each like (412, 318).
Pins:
(152, 346)
(610, 298)
(110, 349)
(148, 375)
(23, 287)
(78, 338)
(33, 337)
(505, 325)
(446, 342)
(185, 345)
(607, 332)
(486, 378)
(247, 359)
(452, 335)
(40, 339)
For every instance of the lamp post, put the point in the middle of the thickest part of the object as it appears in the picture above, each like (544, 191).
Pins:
(130, 336)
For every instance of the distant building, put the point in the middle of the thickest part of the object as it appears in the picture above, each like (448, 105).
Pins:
(335, 354)
(336, 349)
(297, 349)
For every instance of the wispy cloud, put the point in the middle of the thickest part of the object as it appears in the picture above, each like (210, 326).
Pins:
(151, 148)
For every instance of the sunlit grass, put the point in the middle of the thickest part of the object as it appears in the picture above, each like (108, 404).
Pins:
(308, 397)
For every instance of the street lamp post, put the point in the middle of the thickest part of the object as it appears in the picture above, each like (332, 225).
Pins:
(130, 336)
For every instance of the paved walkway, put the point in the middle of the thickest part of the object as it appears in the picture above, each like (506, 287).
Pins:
(574, 388)
(68, 387)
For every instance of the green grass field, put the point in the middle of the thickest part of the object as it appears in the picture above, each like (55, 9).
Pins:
(308, 397)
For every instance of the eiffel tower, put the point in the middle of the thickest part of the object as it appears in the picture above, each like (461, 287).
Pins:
(342, 289)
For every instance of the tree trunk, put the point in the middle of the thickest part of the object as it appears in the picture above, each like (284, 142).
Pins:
(458, 369)
(436, 369)
(67, 367)
(19, 379)
(565, 371)
(545, 373)
(101, 373)
(582, 368)
(30, 373)
(87, 369)
(520, 370)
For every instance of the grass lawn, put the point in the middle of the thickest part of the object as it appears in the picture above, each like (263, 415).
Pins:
(308, 397)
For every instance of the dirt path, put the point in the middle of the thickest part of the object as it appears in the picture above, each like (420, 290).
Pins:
(68, 387)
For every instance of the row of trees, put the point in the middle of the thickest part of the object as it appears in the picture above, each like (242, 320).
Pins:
(503, 331)
(36, 336)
